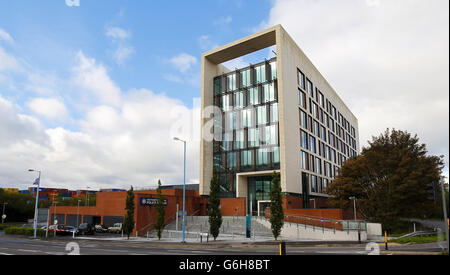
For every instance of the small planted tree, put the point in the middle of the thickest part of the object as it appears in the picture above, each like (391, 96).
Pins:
(214, 212)
(160, 211)
(128, 222)
(276, 206)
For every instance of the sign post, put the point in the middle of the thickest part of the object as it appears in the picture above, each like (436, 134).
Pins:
(248, 226)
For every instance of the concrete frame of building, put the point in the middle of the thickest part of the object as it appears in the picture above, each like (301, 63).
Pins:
(290, 59)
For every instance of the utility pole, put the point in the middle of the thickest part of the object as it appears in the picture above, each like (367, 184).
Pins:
(3, 215)
(444, 206)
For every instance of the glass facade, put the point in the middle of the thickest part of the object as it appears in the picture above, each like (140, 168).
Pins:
(248, 100)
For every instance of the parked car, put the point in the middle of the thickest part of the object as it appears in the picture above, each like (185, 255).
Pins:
(100, 229)
(72, 229)
(116, 228)
(86, 229)
(59, 230)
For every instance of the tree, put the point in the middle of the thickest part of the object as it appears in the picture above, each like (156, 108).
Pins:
(214, 212)
(391, 179)
(276, 206)
(128, 222)
(160, 211)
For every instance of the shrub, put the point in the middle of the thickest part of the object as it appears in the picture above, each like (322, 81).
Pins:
(25, 231)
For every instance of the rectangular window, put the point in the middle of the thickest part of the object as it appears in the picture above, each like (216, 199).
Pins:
(247, 158)
(271, 135)
(239, 141)
(305, 159)
(274, 113)
(247, 117)
(244, 78)
(273, 70)
(302, 99)
(276, 155)
(304, 120)
(268, 92)
(231, 82)
(231, 160)
(304, 141)
(314, 184)
(301, 79)
(262, 157)
(253, 96)
(239, 99)
(318, 166)
(217, 85)
(260, 74)
(312, 144)
(253, 137)
(261, 113)
(310, 89)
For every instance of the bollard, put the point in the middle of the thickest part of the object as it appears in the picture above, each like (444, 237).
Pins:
(282, 249)
(359, 236)
(386, 240)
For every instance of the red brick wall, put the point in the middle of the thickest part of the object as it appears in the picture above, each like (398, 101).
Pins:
(292, 202)
(233, 206)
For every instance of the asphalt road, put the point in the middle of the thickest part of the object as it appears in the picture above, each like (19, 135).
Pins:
(10, 245)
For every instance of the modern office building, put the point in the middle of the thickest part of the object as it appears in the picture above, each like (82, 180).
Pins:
(277, 115)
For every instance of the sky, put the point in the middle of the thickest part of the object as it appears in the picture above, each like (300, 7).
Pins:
(92, 93)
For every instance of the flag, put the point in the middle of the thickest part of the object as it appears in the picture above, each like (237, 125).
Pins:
(36, 182)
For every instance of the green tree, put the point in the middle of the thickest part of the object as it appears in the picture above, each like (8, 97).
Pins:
(160, 210)
(128, 222)
(214, 212)
(391, 179)
(276, 206)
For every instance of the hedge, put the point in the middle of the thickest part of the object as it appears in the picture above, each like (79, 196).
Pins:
(26, 231)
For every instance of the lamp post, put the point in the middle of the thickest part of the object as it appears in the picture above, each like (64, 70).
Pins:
(354, 205)
(37, 201)
(78, 212)
(3, 215)
(184, 187)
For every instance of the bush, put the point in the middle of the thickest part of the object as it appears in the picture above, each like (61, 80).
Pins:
(4, 226)
(25, 231)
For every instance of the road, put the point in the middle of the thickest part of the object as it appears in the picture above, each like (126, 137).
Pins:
(10, 245)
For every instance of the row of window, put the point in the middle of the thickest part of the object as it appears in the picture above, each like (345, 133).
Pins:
(319, 184)
(244, 78)
(252, 117)
(261, 94)
(253, 158)
(249, 138)
(307, 86)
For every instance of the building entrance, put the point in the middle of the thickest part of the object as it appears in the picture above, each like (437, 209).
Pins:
(258, 197)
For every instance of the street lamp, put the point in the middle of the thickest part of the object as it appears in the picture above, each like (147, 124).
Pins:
(37, 200)
(3, 215)
(184, 186)
(78, 212)
(354, 204)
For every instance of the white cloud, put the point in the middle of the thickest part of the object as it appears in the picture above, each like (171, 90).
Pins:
(93, 78)
(205, 42)
(117, 33)
(183, 62)
(5, 36)
(120, 38)
(48, 107)
(223, 21)
(9, 62)
(389, 63)
(123, 53)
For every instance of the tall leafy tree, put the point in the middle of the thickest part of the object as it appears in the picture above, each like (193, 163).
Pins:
(160, 211)
(276, 206)
(214, 212)
(128, 222)
(391, 179)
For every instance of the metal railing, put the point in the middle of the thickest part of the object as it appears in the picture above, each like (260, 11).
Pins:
(325, 223)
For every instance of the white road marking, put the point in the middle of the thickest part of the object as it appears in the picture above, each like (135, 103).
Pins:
(31, 251)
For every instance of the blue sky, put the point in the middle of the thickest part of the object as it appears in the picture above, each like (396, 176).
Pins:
(49, 33)
(92, 95)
